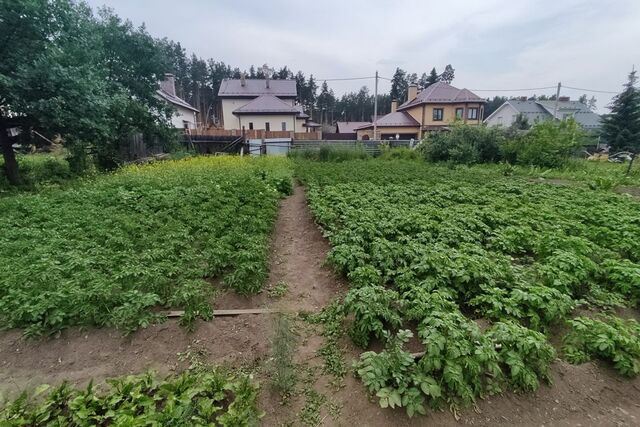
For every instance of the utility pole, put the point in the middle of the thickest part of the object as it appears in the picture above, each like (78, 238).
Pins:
(555, 110)
(375, 107)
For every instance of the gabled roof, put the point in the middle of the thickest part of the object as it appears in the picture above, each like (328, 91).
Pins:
(442, 93)
(232, 88)
(349, 127)
(175, 100)
(267, 104)
(397, 119)
(563, 106)
(534, 109)
(527, 107)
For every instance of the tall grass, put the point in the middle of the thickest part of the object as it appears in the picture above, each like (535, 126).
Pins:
(331, 153)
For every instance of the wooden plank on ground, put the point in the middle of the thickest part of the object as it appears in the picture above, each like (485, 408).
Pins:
(233, 312)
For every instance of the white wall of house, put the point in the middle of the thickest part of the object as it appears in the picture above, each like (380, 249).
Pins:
(505, 115)
(182, 116)
(259, 122)
(230, 104)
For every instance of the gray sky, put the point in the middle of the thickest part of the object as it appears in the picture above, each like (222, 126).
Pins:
(492, 44)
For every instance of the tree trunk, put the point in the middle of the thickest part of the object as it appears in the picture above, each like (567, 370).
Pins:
(633, 156)
(10, 162)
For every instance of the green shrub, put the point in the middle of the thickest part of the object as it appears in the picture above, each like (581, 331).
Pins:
(464, 144)
(399, 153)
(547, 144)
(609, 338)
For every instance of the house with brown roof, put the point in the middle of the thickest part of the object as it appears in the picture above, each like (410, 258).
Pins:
(261, 104)
(434, 108)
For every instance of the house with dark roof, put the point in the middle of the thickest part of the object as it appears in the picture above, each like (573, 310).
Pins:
(261, 104)
(185, 116)
(434, 108)
(537, 111)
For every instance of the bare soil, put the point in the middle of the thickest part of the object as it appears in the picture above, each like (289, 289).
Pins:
(588, 394)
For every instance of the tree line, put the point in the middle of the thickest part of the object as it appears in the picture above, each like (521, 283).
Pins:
(90, 80)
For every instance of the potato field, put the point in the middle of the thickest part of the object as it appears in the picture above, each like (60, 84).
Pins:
(480, 267)
(115, 250)
(429, 288)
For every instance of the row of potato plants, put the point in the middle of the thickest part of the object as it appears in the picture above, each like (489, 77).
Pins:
(109, 251)
(194, 398)
(433, 249)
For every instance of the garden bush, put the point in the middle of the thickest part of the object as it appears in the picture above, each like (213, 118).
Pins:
(546, 144)
(464, 144)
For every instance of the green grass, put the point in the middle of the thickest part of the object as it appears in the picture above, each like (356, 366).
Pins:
(37, 171)
(108, 252)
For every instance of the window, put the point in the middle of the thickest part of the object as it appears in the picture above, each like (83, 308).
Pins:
(473, 114)
(459, 113)
(437, 114)
(284, 125)
(267, 126)
(250, 125)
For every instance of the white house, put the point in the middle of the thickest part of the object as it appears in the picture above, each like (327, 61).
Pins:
(536, 111)
(261, 104)
(185, 116)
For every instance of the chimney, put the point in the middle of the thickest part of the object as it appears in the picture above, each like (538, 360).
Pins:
(243, 82)
(564, 98)
(412, 92)
(394, 105)
(168, 85)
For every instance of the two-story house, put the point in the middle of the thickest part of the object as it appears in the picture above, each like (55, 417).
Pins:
(434, 108)
(261, 104)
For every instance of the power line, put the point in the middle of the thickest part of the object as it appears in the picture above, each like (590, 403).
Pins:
(479, 90)
(347, 78)
(590, 90)
(514, 90)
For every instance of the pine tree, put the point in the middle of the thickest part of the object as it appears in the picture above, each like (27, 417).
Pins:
(621, 128)
(399, 85)
(448, 74)
(432, 78)
(591, 104)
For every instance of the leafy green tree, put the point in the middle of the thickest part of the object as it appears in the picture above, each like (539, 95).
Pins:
(399, 85)
(448, 74)
(48, 78)
(621, 128)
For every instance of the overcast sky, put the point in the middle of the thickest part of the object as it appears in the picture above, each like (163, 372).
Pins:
(492, 44)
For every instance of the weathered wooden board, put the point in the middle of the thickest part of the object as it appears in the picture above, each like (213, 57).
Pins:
(234, 312)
